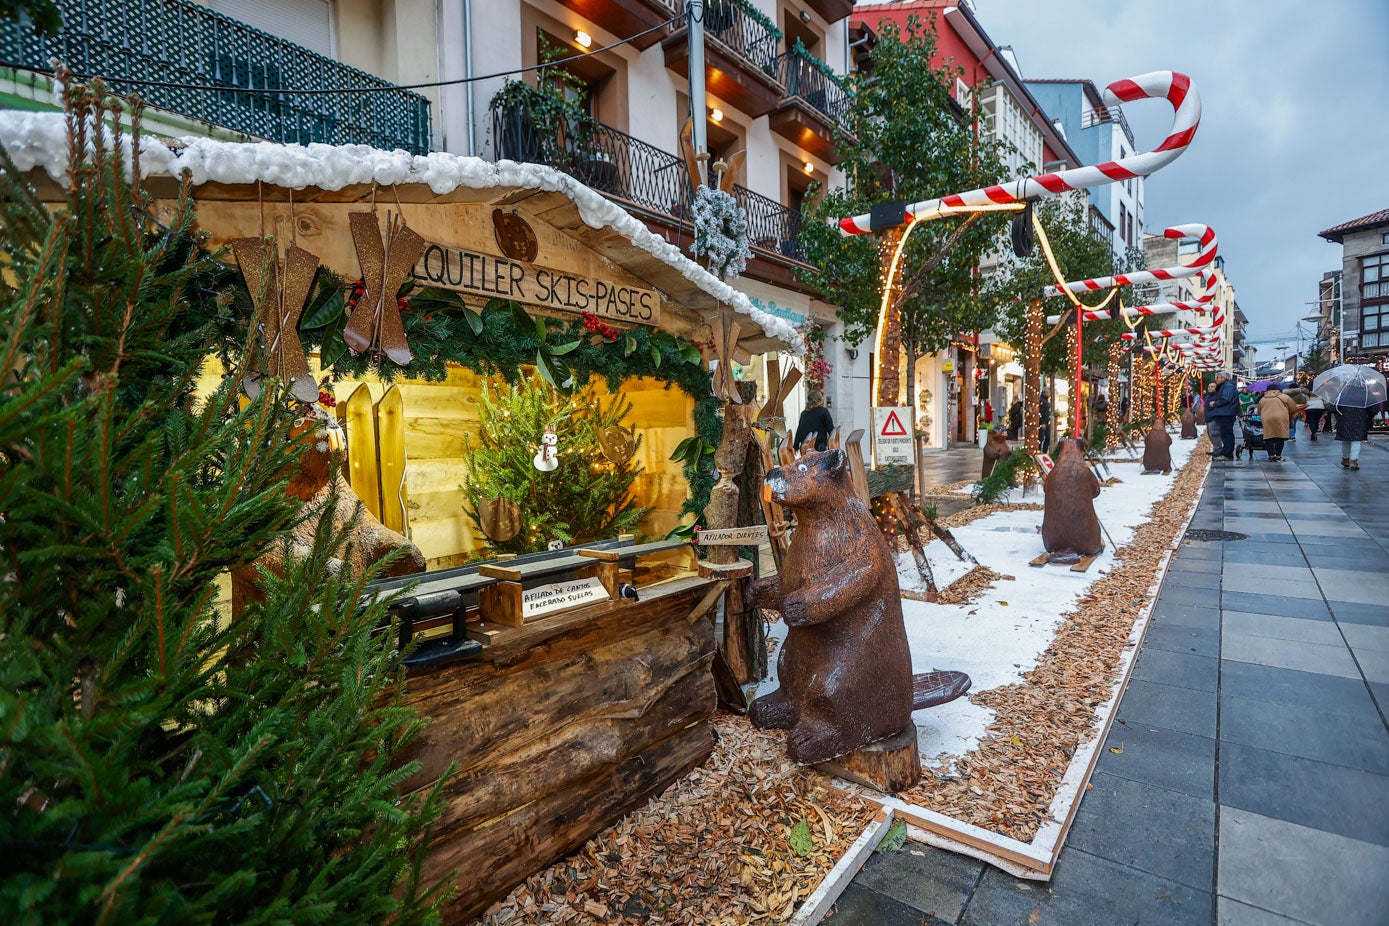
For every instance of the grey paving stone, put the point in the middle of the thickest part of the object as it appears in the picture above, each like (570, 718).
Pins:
(1168, 707)
(1277, 570)
(1366, 637)
(1199, 549)
(1165, 833)
(1188, 578)
(1282, 628)
(1306, 873)
(1253, 551)
(1288, 654)
(1187, 615)
(1178, 639)
(1285, 587)
(1233, 913)
(1274, 604)
(1374, 664)
(1181, 669)
(1171, 760)
(924, 878)
(1347, 801)
(1325, 693)
(1191, 564)
(1353, 738)
(1330, 528)
(1348, 612)
(1200, 597)
(1360, 587)
(862, 906)
(1084, 891)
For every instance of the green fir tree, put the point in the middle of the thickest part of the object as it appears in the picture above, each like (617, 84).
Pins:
(587, 497)
(158, 763)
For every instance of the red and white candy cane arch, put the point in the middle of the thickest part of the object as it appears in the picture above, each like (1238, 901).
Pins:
(1202, 233)
(1200, 304)
(1173, 86)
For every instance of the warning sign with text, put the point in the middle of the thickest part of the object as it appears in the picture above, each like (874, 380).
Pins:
(892, 434)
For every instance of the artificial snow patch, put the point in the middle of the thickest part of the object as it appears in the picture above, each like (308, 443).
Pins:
(39, 141)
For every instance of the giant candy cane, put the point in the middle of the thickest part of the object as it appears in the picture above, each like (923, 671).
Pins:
(1200, 304)
(1178, 89)
(1202, 233)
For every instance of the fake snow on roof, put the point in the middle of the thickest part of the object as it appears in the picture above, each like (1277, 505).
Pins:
(39, 140)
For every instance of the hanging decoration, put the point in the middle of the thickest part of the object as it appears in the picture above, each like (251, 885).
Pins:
(500, 518)
(721, 232)
(547, 457)
(618, 443)
(386, 265)
(278, 294)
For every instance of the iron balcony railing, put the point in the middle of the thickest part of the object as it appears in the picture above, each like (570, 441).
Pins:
(735, 24)
(627, 168)
(183, 43)
(803, 76)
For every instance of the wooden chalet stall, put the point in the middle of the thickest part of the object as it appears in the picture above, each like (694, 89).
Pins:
(567, 686)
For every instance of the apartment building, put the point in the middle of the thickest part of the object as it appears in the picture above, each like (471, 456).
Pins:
(1363, 287)
(1098, 133)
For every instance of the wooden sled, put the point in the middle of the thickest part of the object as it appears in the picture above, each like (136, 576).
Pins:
(1080, 566)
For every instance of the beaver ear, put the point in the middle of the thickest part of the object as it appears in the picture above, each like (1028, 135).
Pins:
(833, 461)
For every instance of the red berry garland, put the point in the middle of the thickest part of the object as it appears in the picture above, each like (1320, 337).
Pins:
(359, 289)
(592, 323)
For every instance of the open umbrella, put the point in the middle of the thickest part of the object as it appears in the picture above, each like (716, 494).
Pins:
(1261, 386)
(1351, 385)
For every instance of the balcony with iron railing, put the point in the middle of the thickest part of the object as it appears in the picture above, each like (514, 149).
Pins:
(740, 55)
(651, 182)
(816, 105)
(224, 72)
(1104, 114)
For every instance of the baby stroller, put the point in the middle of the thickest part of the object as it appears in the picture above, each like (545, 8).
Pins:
(1251, 428)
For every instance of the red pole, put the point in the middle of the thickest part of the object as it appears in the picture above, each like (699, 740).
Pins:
(1075, 387)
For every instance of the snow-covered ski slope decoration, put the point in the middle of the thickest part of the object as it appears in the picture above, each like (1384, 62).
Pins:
(39, 141)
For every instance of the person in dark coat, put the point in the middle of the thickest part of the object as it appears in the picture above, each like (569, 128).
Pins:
(1352, 429)
(815, 420)
(1044, 435)
(1221, 409)
(1015, 419)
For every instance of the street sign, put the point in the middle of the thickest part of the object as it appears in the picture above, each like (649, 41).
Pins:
(892, 434)
(947, 366)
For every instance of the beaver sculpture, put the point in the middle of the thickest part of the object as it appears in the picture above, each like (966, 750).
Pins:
(845, 668)
(995, 448)
(1070, 528)
(1157, 449)
(1188, 425)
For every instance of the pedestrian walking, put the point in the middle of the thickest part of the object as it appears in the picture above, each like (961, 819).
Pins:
(815, 420)
(1015, 419)
(1352, 429)
(1044, 433)
(1221, 409)
(1316, 408)
(1277, 412)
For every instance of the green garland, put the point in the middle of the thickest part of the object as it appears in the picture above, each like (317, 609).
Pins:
(502, 339)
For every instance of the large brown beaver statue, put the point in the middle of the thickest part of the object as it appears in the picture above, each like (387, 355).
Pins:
(1070, 528)
(995, 449)
(845, 668)
(1157, 449)
(1188, 425)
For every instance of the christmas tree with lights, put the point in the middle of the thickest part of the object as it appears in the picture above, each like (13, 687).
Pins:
(574, 487)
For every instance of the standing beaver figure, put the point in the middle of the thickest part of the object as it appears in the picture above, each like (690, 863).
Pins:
(1188, 425)
(1070, 528)
(845, 668)
(995, 449)
(1157, 449)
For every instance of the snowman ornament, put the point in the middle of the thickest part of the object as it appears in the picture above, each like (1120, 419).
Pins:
(546, 459)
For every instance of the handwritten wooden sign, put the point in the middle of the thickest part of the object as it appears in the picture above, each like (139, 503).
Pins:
(733, 537)
(561, 596)
(492, 276)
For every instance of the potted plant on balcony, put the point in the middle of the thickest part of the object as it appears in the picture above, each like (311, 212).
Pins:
(547, 122)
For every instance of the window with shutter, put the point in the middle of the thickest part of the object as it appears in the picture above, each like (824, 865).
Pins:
(304, 22)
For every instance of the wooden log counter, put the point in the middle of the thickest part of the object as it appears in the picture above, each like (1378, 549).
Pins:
(557, 728)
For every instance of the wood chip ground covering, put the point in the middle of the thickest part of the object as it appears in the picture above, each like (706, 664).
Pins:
(971, 585)
(715, 848)
(1007, 783)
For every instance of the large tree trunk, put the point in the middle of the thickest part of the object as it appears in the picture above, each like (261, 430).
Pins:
(1032, 378)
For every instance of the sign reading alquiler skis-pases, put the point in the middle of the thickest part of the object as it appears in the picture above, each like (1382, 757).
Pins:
(892, 434)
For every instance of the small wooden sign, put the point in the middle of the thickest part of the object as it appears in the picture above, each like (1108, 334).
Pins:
(733, 537)
(488, 275)
(561, 596)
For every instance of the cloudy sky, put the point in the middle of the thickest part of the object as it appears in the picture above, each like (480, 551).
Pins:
(1294, 133)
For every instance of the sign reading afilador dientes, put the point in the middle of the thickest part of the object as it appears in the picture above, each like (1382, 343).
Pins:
(732, 536)
(488, 275)
(561, 596)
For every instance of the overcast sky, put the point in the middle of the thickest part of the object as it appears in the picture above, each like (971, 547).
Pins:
(1294, 134)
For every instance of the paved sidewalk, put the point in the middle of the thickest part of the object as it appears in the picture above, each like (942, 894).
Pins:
(1253, 785)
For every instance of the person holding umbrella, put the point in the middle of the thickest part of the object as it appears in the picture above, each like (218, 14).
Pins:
(1351, 390)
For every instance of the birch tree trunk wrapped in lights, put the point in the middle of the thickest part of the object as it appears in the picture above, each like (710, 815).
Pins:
(1032, 378)
(1113, 420)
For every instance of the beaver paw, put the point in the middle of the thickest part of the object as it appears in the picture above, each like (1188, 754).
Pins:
(793, 609)
(812, 741)
(764, 593)
(772, 711)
